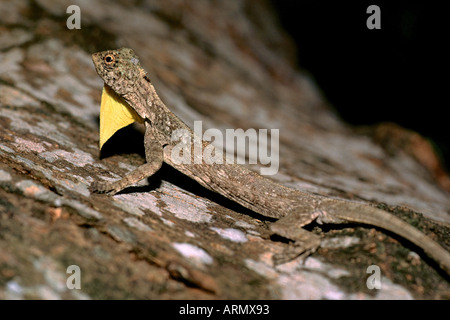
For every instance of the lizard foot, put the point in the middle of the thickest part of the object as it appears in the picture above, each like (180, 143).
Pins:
(304, 242)
(295, 250)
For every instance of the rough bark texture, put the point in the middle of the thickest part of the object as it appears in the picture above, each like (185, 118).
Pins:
(228, 64)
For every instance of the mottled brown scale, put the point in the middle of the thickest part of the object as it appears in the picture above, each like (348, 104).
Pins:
(294, 209)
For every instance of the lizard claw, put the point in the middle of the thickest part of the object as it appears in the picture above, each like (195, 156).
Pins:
(304, 242)
(294, 251)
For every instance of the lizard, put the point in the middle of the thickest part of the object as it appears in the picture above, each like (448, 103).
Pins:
(291, 208)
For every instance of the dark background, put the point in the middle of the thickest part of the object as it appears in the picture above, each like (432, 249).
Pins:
(397, 74)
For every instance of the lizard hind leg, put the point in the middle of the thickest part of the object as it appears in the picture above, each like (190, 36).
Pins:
(290, 227)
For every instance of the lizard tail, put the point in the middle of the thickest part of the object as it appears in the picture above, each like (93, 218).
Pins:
(361, 213)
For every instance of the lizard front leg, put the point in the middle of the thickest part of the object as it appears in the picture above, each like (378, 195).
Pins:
(154, 157)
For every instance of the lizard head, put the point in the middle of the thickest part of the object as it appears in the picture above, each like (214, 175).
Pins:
(119, 69)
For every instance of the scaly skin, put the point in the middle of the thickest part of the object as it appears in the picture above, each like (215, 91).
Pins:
(120, 69)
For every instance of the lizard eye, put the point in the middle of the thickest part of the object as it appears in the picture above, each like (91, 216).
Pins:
(109, 59)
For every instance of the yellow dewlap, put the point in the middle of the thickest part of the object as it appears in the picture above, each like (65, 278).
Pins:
(115, 114)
